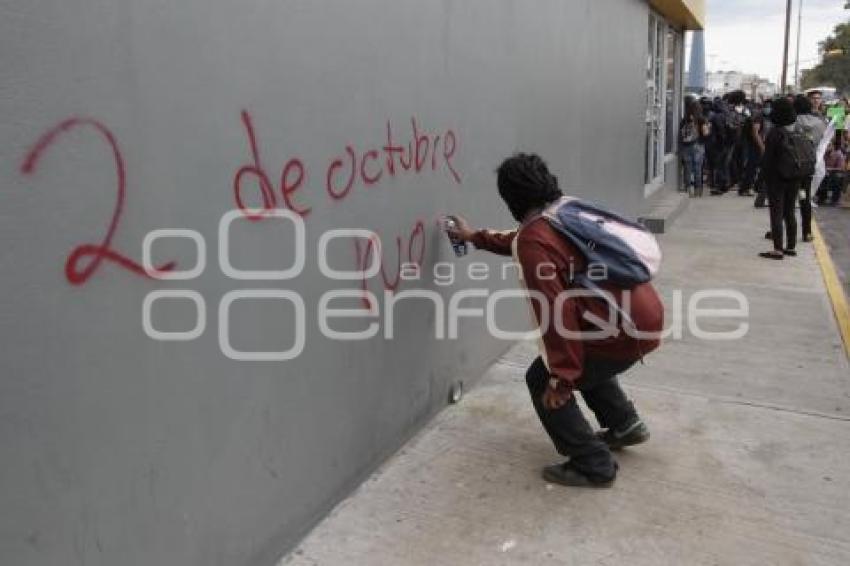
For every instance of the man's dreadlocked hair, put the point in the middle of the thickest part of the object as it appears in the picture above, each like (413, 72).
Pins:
(525, 184)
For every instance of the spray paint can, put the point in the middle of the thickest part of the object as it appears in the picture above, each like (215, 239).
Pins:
(459, 246)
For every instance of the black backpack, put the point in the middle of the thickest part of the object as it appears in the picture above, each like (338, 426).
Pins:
(795, 156)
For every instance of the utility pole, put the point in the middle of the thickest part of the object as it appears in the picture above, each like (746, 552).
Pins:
(784, 84)
(799, 35)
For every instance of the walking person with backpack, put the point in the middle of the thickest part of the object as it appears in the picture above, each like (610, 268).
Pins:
(813, 127)
(727, 126)
(559, 243)
(694, 131)
(789, 158)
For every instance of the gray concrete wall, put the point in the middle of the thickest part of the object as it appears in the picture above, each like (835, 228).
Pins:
(118, 449)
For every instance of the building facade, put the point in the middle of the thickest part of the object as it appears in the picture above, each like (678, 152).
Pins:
(719, 83)
(215, 418)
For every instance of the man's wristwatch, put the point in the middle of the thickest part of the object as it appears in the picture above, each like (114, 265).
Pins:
(554, 383)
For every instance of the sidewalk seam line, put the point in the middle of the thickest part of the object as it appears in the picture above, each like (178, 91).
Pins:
(740, 402)
(833, 286)
(718, 398)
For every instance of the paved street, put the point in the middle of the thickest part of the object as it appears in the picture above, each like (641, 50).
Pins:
(749, 462)
(834, 224)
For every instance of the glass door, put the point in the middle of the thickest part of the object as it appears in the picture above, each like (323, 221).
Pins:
(655, 93)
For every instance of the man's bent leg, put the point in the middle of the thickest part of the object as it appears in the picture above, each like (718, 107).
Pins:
(613, 409)
(569, 430)
(604, 396)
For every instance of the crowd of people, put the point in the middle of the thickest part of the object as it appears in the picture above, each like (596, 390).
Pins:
(766, 149)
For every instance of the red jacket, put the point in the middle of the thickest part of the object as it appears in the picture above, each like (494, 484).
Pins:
(539, 250)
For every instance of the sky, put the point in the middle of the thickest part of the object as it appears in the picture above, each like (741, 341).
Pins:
(747, 35)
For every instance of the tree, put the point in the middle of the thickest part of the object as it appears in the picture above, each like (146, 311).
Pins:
(834, 69)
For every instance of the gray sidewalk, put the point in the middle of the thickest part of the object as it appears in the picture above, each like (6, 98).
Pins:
(749, 461)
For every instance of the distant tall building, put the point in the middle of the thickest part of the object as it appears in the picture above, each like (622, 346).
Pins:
(696, 71)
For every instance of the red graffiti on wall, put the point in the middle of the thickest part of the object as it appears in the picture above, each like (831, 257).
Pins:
(92, 254)
(342, 175)
(345, 171)
(364, 259)
(288, 186)
(422, 149)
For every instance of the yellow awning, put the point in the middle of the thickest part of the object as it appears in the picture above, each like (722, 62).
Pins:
(689, 14)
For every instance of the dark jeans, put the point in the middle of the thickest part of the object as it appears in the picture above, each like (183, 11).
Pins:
(722, 168)
(751, 170)
(783, 198)
(710, 159)
(737, 164)
(761, 190)
(806, 207)
(693, 158)
(569, 430)
(834, 183)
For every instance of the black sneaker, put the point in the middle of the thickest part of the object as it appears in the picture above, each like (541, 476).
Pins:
(565, 474)
(635, 433)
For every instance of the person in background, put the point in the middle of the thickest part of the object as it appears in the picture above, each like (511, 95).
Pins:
(767, 125)
(727, 125)
(740, 114)
(814, 128)
(694, 131)
(710, 158)
(781, 192)
(844, 141)
(816, 98)
(569, 362)
(847, 162)
(836, 165)
(753, 144)
(722, 143)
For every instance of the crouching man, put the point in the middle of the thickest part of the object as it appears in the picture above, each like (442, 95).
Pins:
(569, 363)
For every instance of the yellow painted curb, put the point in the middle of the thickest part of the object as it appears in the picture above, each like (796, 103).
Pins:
(833, 287)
